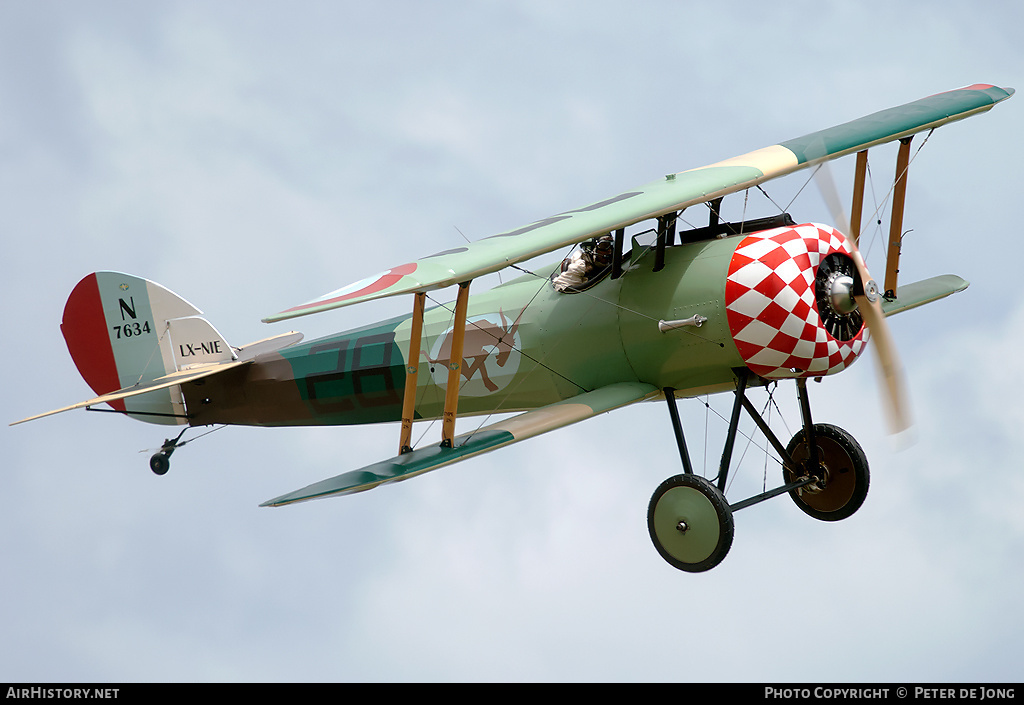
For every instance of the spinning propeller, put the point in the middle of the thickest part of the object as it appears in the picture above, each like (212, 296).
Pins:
(860, 292)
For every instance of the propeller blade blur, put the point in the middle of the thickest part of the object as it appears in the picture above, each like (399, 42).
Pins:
(895, 401)
(827, 188)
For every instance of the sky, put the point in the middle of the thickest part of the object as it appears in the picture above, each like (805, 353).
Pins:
(254, 155)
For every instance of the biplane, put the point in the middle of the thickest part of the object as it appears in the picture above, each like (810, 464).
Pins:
(718, 308)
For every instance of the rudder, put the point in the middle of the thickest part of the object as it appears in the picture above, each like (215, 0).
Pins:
(123, 330)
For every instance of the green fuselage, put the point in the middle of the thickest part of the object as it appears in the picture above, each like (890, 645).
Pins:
(527, 346)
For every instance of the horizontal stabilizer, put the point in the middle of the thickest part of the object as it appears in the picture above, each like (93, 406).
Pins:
(672, 193)
(268, 345)
(243, 355)
(518, 428)
(171, 380)
(923, 292)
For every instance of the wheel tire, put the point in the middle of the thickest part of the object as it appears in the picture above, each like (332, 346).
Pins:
(692, 502)
(845, 470)
(160, 463)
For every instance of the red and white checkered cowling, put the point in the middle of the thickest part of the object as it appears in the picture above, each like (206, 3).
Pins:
(771, 307)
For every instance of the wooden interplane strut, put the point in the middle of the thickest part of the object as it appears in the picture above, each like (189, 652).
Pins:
(451, 397)
(899, 196)
(411, 372)
(859, 176)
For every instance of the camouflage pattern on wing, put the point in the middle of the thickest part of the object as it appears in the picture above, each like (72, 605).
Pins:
(669, 194)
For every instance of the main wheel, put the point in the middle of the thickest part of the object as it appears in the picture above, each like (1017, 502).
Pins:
(842, 473)
(690, 523)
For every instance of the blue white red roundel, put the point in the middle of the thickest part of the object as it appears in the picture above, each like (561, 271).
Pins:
(771, 308)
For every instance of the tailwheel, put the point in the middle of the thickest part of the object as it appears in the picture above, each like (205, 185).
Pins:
(841, 475)
(690, 523)
(160, 463)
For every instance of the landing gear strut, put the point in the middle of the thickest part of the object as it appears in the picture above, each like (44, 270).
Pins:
(824, 469)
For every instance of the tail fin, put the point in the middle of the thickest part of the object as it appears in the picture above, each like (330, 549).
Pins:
(123, 331)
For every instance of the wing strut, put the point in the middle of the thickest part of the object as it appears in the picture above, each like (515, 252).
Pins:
(411, 369)
(715, 207)
(899, 195)
(859, 176)
(666, 238)
(451, 397)
(620, 235)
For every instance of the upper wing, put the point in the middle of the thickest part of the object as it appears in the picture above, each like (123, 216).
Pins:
(672, 193)
(497, 435)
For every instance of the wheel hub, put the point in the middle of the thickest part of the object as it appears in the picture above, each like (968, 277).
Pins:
(819, 483)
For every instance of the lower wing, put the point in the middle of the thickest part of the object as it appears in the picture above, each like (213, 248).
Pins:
(497, 435)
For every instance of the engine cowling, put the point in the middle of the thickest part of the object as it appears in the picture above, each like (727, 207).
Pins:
(789, 302)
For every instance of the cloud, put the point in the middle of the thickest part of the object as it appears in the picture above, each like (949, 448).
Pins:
(252, 160)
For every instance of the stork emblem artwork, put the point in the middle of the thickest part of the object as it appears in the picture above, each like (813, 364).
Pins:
(490, 354)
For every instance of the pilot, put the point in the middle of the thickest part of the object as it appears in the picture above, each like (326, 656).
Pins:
(592, 257)
(602, 254)
(575, 272)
